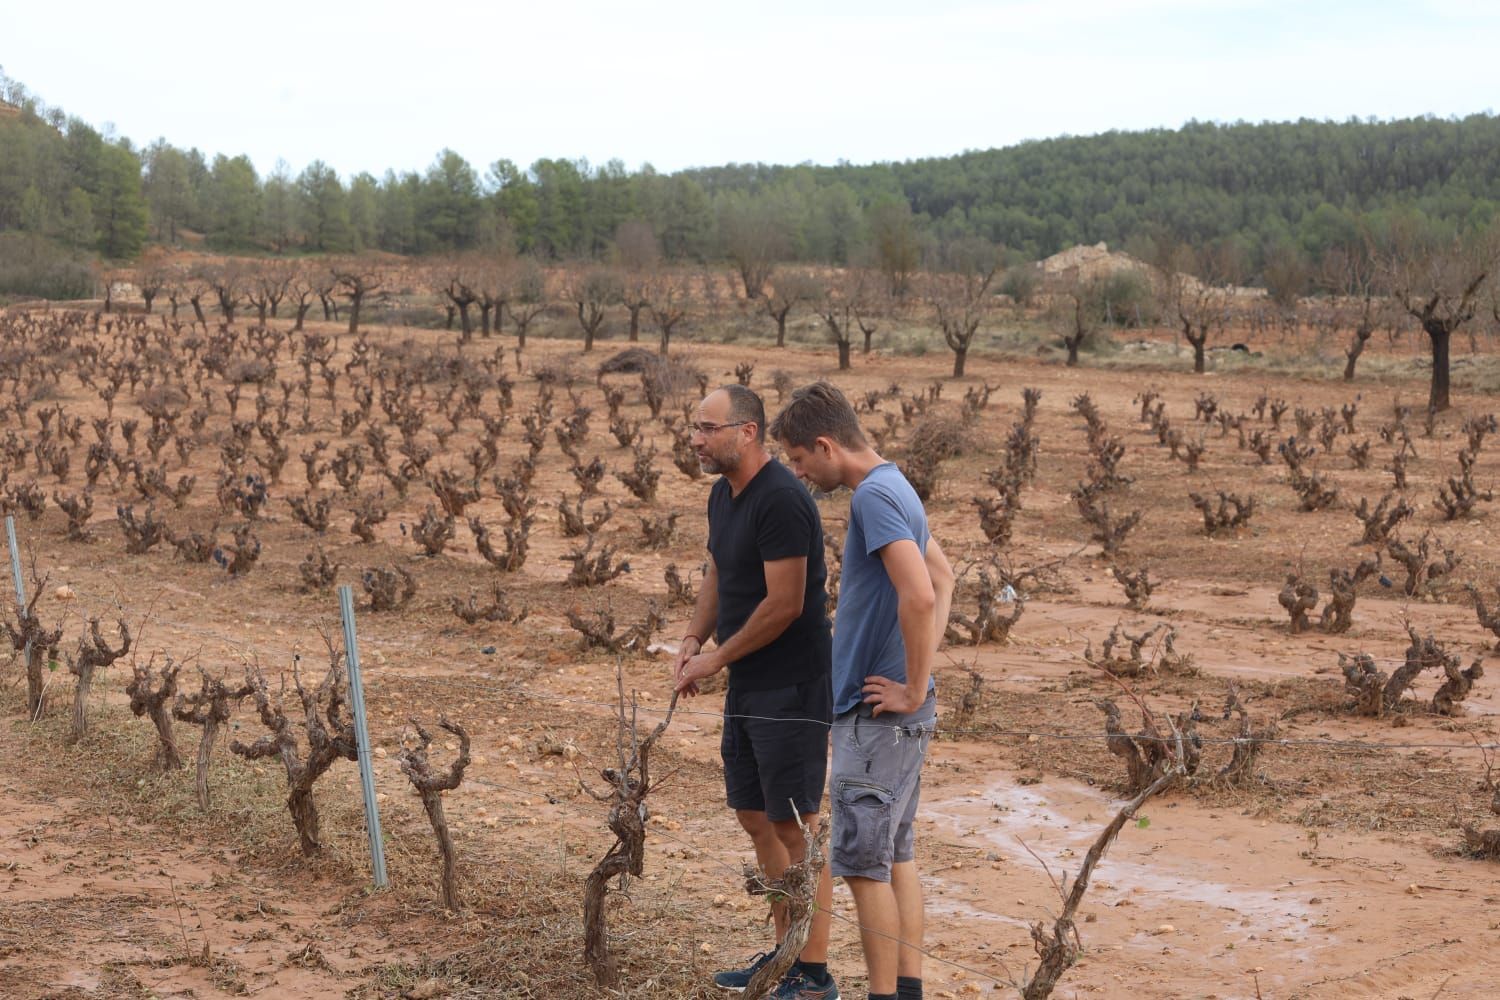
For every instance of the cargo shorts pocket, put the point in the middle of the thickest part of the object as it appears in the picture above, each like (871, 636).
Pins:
(862, 827)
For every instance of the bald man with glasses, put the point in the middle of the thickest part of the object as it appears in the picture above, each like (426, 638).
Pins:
(764, 601)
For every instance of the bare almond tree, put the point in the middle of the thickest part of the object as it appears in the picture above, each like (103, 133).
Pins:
(1350, 275)
(458, 279)
(301, 291)
(191, 288)
(838, 303)
(358, 278)
(1195, 293)
(637, 253)
(229, 282)
(961, 296)
(668, 292)
(592, 291)
(789, 289)
(494, 279)
(266, 286)
(635, 296)
(151, 278)
(528, 297)
(1439, 281)
(1077, 302)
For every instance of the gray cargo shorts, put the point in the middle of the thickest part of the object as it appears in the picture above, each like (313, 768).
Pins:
(874, 784)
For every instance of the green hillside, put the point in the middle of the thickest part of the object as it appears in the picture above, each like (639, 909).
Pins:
(1274, 189)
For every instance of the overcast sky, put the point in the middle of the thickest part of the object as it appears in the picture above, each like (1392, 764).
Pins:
(378, 84)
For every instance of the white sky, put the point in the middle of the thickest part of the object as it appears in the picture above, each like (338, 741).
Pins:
(377, 84)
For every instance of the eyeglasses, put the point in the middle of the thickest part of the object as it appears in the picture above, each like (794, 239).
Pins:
(707, 429)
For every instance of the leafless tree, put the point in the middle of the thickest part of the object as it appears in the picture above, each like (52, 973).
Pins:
(151, 278)
(788, 290)
(528, 297)
(629, 783)
(1438, 281)
(151, 694)
(229, 282)
(358, 278)
(266, 286)
(1076, 302)
(210, 707)
(1194, 287)
(495, 282)
(637, 253)
(1350, 276)
(841, 302)
(668, 295)
(94, 652)
(302, 289)
(458, 279)
(430, 786)
(592, 292)
(39, 643)
(961, 295)
(329, 730)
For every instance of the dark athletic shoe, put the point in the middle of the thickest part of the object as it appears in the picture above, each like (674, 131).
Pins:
(738, 979)
(797, 986)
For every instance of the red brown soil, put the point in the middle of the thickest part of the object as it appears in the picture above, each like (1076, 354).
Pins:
(1337, 873)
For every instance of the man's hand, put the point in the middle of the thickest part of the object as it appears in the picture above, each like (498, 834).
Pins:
(696, 669)
(686, 650)
(892, 696)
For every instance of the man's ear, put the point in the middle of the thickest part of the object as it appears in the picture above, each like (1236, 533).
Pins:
(826, 446)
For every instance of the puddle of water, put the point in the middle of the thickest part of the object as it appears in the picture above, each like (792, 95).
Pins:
(80, 979)
(945, 904)
(1051, 823)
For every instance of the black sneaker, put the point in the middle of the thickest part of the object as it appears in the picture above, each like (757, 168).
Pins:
(738, 979)
(799, 986)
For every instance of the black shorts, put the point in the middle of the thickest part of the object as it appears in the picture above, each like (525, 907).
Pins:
(777, 758)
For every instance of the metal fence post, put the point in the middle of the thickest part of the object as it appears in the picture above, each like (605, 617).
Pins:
(362, 736)
(15, 571)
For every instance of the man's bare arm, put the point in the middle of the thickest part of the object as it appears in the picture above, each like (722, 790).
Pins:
(941, 573)
(916, 608)
(701, 625)
(786, 586)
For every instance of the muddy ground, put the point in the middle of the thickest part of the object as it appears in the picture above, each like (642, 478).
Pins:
(1338, 870)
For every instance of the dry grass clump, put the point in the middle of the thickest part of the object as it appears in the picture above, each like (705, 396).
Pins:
(113, 769)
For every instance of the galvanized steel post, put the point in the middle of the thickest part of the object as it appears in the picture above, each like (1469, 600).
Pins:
(15, 571)
(362, 736)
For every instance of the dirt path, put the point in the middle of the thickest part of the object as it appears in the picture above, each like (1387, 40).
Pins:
(97, 906)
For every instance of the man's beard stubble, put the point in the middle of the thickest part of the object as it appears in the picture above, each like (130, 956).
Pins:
(717, 465)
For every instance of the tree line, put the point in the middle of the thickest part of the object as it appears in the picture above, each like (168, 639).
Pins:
(1283, 194)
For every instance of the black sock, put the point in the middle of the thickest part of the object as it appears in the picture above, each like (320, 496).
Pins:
(816, 971)
(884, 996)
(908, 988)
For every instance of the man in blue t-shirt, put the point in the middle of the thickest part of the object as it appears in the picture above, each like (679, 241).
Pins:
(894, 595)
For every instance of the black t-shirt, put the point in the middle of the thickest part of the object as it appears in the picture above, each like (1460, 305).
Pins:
(772, 518)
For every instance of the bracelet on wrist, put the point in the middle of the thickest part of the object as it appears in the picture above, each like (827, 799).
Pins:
(695, 638)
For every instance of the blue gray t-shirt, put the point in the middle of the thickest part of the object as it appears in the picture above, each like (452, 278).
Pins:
(867, 631)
